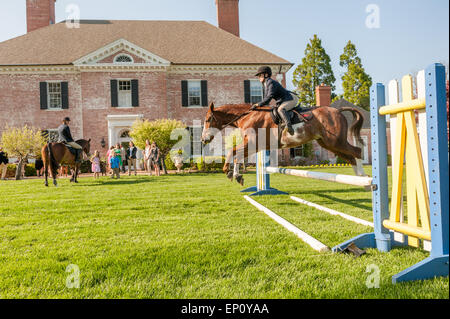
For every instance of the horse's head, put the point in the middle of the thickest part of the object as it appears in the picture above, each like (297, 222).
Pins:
(211, 123)
(86, 145)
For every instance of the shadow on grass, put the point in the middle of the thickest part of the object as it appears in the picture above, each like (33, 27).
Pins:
(357, 203)
(122, 181)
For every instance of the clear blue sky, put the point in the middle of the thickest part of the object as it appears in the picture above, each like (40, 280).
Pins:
(412, 33)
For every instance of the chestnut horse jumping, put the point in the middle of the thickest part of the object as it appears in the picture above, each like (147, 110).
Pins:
(54, 154)
(327, 126)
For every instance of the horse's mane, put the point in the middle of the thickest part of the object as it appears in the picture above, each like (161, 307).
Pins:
(236, 109)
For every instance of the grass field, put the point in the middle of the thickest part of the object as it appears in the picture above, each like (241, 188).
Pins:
(189, 236)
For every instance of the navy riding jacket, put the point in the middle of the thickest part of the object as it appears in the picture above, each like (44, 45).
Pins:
(64, 134)
(274, 90)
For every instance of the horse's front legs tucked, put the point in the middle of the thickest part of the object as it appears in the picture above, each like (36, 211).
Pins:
(226, 167)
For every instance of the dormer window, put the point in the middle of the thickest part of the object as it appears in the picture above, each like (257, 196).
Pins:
(123, 58)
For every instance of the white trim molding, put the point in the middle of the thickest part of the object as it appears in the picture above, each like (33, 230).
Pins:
(117, 46)
(225, 69)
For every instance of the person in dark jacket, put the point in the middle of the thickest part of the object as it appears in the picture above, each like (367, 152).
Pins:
(3, 163)
(285, 100)
(66, 137)
(131, 158)
(39, 166)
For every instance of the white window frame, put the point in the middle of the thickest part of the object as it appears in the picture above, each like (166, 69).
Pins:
(189, 96)
(253, 81)
(198, 129)
(123, 54)
(129, 102)
(49, 107)
(299, 149)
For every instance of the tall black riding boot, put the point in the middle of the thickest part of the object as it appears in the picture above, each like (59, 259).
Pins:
(78, 156)
(286, 120)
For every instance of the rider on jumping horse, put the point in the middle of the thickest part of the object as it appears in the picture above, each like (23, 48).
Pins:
(285, 99)
(66, 137)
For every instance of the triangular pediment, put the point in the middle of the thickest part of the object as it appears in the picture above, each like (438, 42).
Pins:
(107, 54)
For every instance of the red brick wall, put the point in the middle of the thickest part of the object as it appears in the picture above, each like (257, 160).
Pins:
(20, 102)
(228, 15)
(40, 13)
(323, 95)
(90, 99)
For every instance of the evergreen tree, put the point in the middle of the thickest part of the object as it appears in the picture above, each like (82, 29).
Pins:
(314, 70)
(355, 81)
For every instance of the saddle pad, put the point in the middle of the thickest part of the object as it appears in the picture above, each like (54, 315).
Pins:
(297, 115)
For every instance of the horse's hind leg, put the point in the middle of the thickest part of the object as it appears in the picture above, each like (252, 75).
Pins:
(46, 173)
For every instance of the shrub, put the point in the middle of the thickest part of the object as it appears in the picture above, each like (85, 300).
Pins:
(30, 170)
(210, 163)
(169, 163)
(85, 166)
(340, 160)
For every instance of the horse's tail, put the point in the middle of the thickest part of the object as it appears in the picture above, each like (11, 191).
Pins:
(357, 124)
(52, 163)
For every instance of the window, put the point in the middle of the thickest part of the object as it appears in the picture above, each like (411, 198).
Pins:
(54, 95)
(194, 93)
(123, 58)
(125, 134)
(124, 93)
(256, 91)
(297, 151)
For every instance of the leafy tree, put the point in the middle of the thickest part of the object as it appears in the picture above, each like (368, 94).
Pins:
(22, 143)
(314, 70)
(158, 131)
(355, 81)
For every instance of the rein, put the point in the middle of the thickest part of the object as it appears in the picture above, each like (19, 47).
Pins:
(237, 118)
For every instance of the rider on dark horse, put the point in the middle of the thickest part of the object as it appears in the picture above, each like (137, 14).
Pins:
(285, 100)
(66, 137)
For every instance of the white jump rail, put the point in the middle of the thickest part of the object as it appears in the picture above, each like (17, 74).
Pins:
(338, 178)
(311, 241)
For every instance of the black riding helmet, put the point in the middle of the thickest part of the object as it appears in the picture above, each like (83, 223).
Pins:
(67, 119)
(264, 69)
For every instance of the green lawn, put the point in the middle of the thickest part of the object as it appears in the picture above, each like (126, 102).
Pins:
(189, 236)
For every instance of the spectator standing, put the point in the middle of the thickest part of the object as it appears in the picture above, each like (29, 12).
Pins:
(95, 160)
(147, 158)
(3, 163)
(131, 158)
(39, 166)
(109, 155)
(155, 156)
(123, 155)
(119, 151)
(115, 164)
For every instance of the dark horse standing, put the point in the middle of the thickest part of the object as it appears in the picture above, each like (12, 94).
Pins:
(54, 154)
(327, 126)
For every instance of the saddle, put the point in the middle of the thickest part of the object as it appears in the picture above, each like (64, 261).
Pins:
(296, 115)
(71, 149)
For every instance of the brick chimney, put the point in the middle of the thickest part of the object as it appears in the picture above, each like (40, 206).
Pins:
(40, 13)
(228, 15)
(323, 95)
